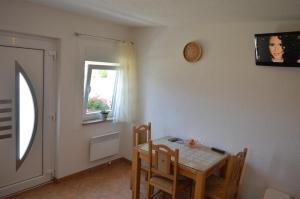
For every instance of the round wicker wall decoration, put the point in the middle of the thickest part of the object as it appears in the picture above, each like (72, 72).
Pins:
(192, 52)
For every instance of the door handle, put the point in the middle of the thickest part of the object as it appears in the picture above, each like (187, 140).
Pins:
(5, 136)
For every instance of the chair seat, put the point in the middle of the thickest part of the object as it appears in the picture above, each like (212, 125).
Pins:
(215, 187)
(167, 184)
(163, 183)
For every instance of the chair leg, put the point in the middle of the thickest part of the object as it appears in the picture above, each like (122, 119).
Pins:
(190, 194)
(174, 196)
(163, 194)
(150, 191)
(131, 176)
(192, 191)
(236, 196)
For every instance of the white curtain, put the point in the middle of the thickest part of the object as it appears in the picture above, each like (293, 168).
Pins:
(126, 95)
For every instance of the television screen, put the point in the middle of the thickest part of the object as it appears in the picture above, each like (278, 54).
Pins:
(278, 49)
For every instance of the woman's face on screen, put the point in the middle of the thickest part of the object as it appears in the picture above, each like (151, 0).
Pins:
(276, 49)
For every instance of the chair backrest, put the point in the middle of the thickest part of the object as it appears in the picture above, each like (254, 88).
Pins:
(241, 158)
(163, 162)
(234, 171)
(141, 134)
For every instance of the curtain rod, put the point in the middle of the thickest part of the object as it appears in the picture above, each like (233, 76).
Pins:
(98, 36)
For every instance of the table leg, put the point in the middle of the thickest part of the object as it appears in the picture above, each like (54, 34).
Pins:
(200, 186)
(136, 165)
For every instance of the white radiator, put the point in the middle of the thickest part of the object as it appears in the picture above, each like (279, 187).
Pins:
(104, 145)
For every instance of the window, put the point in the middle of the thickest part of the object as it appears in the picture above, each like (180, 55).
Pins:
(99, 91)
(26, 114)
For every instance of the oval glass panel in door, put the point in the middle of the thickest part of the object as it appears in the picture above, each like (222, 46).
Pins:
(26, 114)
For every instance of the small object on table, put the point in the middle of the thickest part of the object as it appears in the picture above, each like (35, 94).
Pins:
(180, 141)
(218, 150)
(177, 140)
(173, 139)
(193, 143)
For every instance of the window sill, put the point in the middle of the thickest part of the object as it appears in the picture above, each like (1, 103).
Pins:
(96, 121)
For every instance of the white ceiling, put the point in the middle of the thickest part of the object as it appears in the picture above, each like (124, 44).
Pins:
(172, 12)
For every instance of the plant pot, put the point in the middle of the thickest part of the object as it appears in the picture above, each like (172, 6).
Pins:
(104, 115)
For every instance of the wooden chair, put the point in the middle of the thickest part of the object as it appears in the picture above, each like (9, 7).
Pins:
(141, 135)
(227, 188)
(163, 171)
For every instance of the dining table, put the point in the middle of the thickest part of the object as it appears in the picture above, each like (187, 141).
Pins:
(196, 162)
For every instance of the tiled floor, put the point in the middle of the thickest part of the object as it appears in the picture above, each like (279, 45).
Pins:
(107, 182)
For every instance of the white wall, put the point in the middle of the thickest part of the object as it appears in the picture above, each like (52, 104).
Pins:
(225, 100)
(23, 17)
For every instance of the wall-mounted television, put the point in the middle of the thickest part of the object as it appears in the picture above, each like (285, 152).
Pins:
(278, 49)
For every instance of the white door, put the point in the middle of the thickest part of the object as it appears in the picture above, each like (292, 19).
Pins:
(25, 158)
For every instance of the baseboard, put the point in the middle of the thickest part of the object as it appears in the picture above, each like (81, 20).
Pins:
(57, 180)
(11, 196)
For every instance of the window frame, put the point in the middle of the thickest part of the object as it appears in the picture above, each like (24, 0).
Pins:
(89, 67)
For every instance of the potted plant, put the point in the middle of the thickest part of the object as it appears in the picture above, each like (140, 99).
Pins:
(96, 104)
(104, 114)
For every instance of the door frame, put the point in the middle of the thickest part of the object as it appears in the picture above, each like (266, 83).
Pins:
(49, 47)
